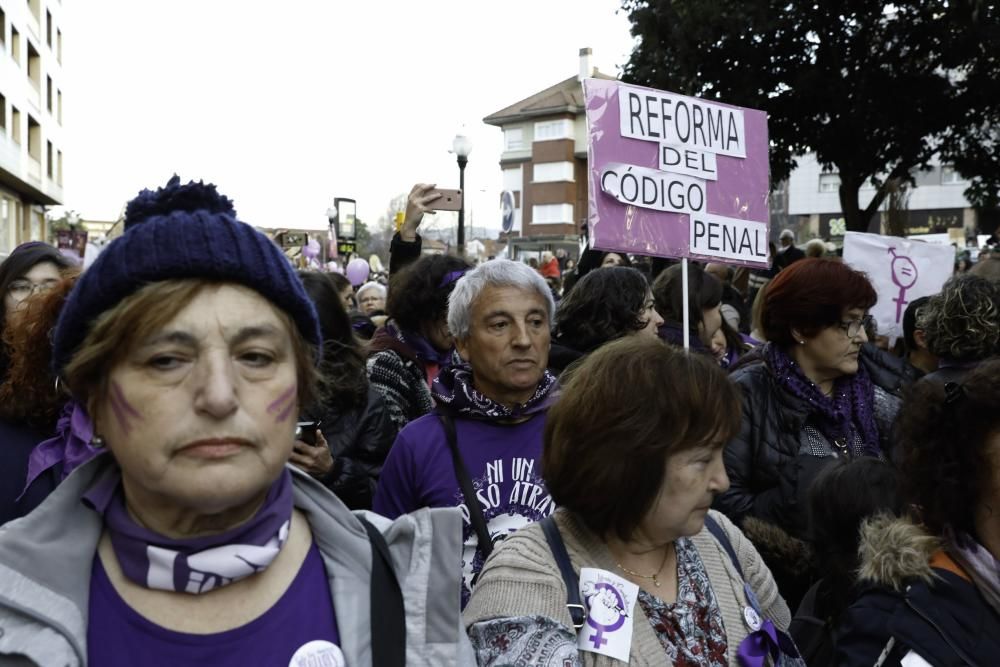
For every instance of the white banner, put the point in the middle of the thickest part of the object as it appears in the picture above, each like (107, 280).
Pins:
(901, 271)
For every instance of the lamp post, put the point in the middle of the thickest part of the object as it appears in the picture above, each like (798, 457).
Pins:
(461, 146)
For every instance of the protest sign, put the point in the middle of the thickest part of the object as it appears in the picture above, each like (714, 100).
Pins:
(676, 176)
(901, 271)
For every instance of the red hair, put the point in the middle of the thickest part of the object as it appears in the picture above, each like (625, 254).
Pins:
(811, 295)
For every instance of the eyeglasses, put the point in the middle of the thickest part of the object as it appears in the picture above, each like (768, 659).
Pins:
(22, 289)
(854, 327)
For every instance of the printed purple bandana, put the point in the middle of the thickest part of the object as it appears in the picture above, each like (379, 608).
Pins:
(454, 393)
(200, 564)
(421, 347)
(70, 446)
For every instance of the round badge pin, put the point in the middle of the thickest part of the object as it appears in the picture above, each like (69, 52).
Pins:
(752, 618)
(318, 653)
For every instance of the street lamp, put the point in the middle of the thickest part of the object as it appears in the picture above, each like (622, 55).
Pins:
(461, 146)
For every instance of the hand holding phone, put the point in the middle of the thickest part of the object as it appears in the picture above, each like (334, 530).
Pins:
(447, 200)
(306, 431)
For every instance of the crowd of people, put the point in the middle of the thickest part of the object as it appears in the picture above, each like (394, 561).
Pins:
(209, 457)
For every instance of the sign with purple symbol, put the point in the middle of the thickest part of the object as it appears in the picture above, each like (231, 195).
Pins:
(676, 176)
(610, 601)
(901, 271)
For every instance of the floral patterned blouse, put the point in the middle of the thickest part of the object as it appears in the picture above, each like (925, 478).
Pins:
(690, 628)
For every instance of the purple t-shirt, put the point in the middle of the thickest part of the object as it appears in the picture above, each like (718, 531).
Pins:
(117, 636)
(503, 461)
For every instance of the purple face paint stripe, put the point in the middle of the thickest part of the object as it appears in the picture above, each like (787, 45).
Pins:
(276, 405)
(120, 395)
(120, 415)
(287, 411)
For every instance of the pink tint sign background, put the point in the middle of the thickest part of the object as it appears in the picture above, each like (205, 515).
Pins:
(741, 190)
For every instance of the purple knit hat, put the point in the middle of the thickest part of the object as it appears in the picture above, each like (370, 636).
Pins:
(181, 231)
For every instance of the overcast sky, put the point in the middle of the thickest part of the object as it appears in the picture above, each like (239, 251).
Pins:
(286, 105)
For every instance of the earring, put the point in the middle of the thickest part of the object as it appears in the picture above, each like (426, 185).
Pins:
(802, 342)
(97, 442)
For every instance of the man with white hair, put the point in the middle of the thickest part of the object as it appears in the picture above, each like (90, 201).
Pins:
(788, 253)
(480, 448)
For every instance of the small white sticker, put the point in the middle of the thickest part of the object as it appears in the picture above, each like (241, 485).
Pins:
(752, 619)
(318, 653)
(911, 659)
(610, 601)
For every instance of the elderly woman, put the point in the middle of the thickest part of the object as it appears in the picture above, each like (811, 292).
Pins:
(371, 298)
(608, 304)
(704, 306)
(414, 344)
(660, 573)
(961, 326)
(809, 398)
(31, 267)
(929, 591)
(192, 344)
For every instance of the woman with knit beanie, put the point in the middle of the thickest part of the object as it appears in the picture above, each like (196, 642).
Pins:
(633, 568)
(193, 346)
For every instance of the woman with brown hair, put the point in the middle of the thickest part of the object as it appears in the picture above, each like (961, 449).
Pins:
(632, 457)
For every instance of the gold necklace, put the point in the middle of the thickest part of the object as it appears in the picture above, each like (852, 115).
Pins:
(656, 582)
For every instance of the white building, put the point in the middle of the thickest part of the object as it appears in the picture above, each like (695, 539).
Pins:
(31, 104)
(935, 205)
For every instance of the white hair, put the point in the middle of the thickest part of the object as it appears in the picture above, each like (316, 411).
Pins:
(378, 287)
(494, 273)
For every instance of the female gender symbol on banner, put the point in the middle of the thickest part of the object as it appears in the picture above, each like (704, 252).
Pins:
(904, 275)
(605, 605)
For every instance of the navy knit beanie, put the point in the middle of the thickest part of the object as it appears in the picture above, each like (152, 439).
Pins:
(181, 231)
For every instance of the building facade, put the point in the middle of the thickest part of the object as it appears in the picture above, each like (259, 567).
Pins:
(31, 115)
(544, 161)
(935, 205)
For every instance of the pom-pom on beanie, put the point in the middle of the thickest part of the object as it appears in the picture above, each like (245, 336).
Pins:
(181, 231)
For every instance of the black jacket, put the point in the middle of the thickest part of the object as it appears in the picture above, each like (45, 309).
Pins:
(359, 441)
(933, 611)
(768, 477)
(17, 441)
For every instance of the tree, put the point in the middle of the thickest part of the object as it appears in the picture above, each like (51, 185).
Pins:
(875, 89)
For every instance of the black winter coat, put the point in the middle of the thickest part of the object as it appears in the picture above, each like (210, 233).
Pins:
(910, 597)
(768, 475)
(359, 441)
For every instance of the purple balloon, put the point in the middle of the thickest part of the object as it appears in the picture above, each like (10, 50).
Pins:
(357, 271)
(311, 249)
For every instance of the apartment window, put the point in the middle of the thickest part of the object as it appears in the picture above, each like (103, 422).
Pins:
(951, 177)
(15, 124)
(49, 154)
(552, 214)
(513, 179)
(48, 93)
(59, 167)
(15, 45)
(34, 139)
(554, 129)
(547, 172)
(3, 113)
(6, 223)
(34, 66)
(36, 9)
(48, 28)
(59, 106)
(829, 182)
(59, 45)
(3, 26)
(513, 139)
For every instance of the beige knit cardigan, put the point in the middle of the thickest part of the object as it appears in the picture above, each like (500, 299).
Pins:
(521, 578)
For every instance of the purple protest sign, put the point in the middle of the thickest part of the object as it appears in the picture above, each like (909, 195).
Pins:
(676, 176)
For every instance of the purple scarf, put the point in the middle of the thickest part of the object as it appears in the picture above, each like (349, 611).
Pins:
(70, 446)
(197, 564)
(421, 347)
(846, 413)
(981, 566)
(454, 393)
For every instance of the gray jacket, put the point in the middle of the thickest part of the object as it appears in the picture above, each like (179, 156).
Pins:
(46, 559)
